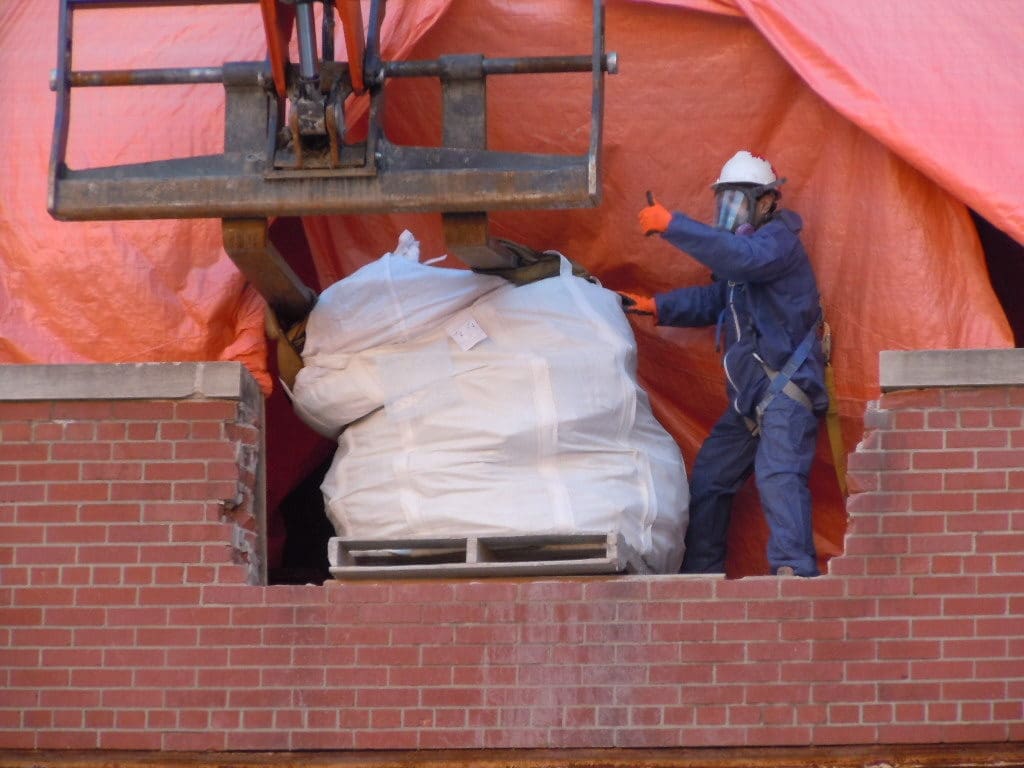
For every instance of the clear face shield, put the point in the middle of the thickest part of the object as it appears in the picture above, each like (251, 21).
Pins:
(736, 205)
(733, 208)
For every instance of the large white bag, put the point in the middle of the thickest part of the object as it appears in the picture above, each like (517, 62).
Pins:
(465, 405)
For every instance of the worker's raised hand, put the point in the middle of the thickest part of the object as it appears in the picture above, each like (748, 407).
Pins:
(636, 304)
(654, 218)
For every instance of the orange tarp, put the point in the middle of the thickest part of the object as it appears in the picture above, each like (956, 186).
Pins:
(888, 120)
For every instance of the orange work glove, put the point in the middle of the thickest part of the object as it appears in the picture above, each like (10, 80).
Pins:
(654, 218)
(636, 304)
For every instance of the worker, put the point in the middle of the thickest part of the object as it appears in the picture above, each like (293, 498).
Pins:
(764, 302)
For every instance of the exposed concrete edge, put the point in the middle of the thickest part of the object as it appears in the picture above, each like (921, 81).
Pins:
(127, 381)
(921, 369)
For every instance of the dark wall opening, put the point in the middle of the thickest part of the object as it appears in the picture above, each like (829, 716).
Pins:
(1005, 257)
(297, 457)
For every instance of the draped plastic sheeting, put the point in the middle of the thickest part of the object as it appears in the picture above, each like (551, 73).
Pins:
(888, 119)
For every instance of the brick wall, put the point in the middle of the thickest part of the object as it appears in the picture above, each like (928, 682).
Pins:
(126, 619)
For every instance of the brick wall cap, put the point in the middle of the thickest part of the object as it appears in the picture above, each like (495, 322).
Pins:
(127, 381)
(919, 369)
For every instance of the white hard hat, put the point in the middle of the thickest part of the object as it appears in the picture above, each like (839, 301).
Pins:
(745, 168)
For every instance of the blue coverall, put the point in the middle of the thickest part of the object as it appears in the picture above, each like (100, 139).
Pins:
(764, 300)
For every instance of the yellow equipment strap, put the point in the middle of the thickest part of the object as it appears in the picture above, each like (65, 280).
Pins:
(835, 433)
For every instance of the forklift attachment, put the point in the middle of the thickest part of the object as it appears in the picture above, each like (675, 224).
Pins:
(266, 171)
(286, 153)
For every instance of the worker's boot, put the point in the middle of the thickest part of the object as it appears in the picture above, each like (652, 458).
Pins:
(785, 570)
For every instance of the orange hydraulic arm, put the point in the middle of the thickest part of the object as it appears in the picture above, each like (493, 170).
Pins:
(279, 21)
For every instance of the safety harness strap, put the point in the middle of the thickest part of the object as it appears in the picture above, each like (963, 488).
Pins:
(781, 381)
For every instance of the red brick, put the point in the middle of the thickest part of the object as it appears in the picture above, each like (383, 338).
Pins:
(871, 503)
(975, 419)
(161, 719)
(701, 736)
(1000, 542)
(36, 556)
(993, 459)
(181, 741)
(119, 513)
(974, 606)
(881, 461)
(157, 552)
(15, 576)
(904, 482)
(142, 410)
(941, 670)
(78, 492)
(114, 740)
(913, 441)
(143, 451)
(1009, 418)
(80, 451)
(210, 430)
(25, 452)
(975, 481)
(977, 438)
(909, 399)
(21, 535)
(76, 534)
(909, 649)
(322, 740)
(941, 627)
(942, 502)
(51, 513)
(999, 585)
(173, 512)
(171, 470)
(1000, 668)
(205, 410)
(114, 471)
(928, 460)
(119, 616)
(200, 531)
(940, 543)
(106, 596)
(907, 419)
(862, 482)
(204, 450)
(15, 410)
(601, 590)
(101, 678)
(166, 637)
(912, 734)
(985, 690)
(617, 633)
(747, 672)
(192, 491)
(1011, 501)
(980, 397)
(48, 472)
(133, 657)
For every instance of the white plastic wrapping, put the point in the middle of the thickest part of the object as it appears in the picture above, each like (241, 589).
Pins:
(465, 405)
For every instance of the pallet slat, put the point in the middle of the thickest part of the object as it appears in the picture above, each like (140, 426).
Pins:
(483, 555)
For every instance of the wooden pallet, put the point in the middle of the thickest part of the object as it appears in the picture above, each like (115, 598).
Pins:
(514, 555)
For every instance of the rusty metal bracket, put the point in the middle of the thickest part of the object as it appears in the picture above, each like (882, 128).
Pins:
(249, 247)
(464, 125)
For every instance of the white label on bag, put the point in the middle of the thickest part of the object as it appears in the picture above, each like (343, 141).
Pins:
(467, 334)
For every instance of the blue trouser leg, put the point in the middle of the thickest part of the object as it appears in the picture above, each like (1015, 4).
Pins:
(723, 463)
(784, 455)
